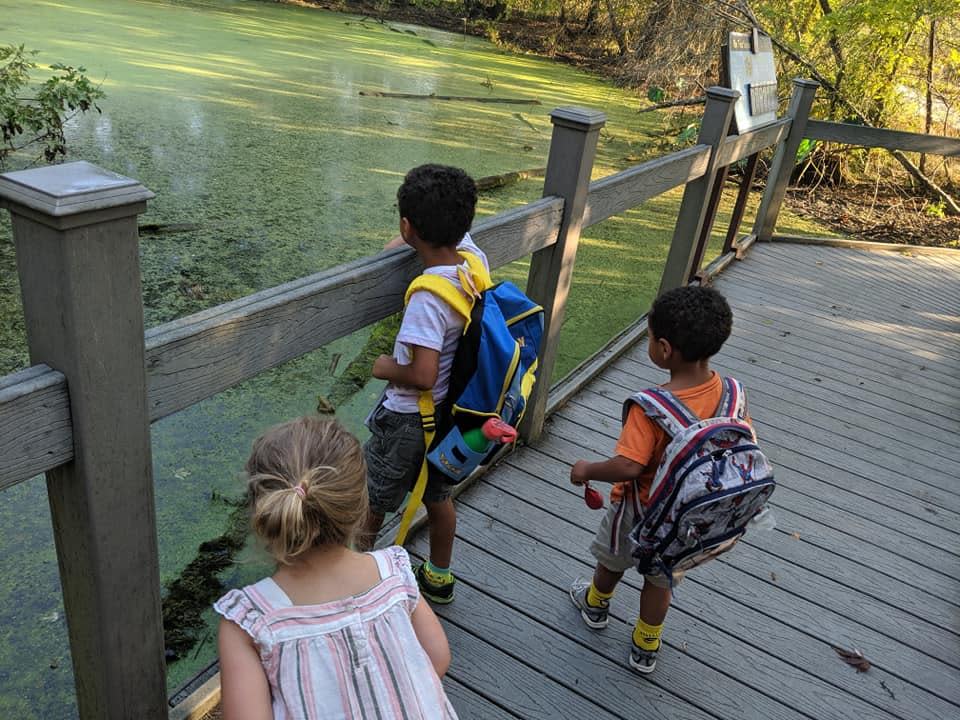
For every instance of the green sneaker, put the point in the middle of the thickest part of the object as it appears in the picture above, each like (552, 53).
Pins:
(440, 594)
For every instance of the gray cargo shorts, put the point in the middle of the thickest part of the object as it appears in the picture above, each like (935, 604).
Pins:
(613, 548)
(394, 454)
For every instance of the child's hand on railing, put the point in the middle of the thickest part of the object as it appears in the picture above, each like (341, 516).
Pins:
(396, 242)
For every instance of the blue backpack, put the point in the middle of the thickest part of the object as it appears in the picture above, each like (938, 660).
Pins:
(493, 372)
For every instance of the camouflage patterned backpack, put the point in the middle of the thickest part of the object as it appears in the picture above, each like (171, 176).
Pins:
(713, 479)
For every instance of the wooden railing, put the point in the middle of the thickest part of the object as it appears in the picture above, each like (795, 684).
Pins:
(82, 412)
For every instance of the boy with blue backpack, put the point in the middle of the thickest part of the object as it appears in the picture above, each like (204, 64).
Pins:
(688, 476)
(464, 362)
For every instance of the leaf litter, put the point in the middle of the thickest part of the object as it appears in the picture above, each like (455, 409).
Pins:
(854, 658)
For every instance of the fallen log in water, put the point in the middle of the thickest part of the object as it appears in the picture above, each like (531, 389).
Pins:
(161, 228)
(491, 182)
(464, 98)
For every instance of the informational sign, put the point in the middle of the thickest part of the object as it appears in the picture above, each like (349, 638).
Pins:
(750, 69)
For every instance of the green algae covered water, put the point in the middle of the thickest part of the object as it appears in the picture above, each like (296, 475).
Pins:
(247, 120)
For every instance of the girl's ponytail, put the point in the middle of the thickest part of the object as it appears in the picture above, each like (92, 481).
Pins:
(307, 482)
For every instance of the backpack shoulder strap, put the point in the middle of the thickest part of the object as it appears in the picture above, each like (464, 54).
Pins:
(443, 289)
(663, 408)
(480, 275)
(733, 401)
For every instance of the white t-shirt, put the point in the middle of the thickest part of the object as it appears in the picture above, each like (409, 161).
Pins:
(431, 323)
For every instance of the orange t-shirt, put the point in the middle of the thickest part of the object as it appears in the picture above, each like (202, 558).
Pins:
(643, 441)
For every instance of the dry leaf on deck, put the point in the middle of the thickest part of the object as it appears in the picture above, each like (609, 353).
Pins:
(796, 536)
(854, 658)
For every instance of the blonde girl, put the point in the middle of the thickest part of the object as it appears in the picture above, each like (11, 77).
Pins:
(332, 633)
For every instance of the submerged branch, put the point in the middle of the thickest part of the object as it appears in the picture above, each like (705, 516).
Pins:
(464, 98)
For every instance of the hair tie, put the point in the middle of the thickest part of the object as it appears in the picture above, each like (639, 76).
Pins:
(301, 492)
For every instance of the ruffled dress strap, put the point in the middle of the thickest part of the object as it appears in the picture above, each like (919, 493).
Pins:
(248, 608)
(395, 562)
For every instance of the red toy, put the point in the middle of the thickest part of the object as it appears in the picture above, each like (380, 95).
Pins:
(497, 430)
(592, 498)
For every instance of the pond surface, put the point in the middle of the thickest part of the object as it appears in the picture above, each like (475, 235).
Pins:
(246, 120)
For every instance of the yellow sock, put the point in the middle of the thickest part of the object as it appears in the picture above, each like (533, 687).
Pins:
(647, 637)
(437, 576)
(596, 599)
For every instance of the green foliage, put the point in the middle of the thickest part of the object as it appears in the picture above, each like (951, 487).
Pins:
(936, 210)
(656, 94)
(35, 114)
(688, 135)
(807, 146)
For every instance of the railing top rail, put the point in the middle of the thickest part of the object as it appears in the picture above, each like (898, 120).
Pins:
(35, 429)
(617, 193)
(864, 136)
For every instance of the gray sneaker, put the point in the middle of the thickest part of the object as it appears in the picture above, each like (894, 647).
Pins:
(594, 617)
(643, 661)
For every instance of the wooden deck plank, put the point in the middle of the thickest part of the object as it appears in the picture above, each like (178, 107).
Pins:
(833, 345)
(938, 560)
(805, 400)
(878, 418)
(866, 552)
(817, 432)
(533, 577)
(569, 528)
(702, 622)
(553, 457)
(908, 663)
(844, 295)
(887, 274)
(523, 689)
(884, 617)
(886, 266)
(927, 527)
(508, 618)
(936, 506)
(859, 393)
(469, 704)
(842, 285)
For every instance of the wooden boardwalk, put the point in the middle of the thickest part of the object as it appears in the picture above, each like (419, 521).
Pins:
(852, 364)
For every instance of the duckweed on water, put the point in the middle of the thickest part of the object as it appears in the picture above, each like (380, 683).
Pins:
(245, 118)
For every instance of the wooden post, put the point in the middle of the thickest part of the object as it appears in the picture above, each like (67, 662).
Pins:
(572, 150)
(693, 208)
(736, 217)
(75, 233)
(785, 158)
(709, 217)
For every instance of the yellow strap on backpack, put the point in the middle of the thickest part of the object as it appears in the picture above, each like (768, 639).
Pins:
(478, 281)
(416, 495)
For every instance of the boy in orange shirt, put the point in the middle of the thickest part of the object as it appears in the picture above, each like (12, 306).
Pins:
(686, 327)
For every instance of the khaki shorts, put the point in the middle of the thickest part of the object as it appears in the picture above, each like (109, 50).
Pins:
(613, 548)
(393, 455)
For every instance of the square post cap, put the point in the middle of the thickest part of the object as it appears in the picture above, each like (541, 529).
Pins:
(57, 195)
(578, 118)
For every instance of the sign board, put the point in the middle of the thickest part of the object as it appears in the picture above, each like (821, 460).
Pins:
(748, 58)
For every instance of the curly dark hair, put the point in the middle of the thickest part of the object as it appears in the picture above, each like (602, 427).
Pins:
(696, 321)
(439, 201)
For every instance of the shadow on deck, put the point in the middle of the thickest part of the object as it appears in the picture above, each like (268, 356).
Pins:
(851, 362)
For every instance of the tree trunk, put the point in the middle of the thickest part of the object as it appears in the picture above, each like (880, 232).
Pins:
(616, 28)
(928, 121)
(590, 21)
(837, 51)
(951, 206)
(659, 15)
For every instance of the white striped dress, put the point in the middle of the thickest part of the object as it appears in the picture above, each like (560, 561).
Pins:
(355, 658)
